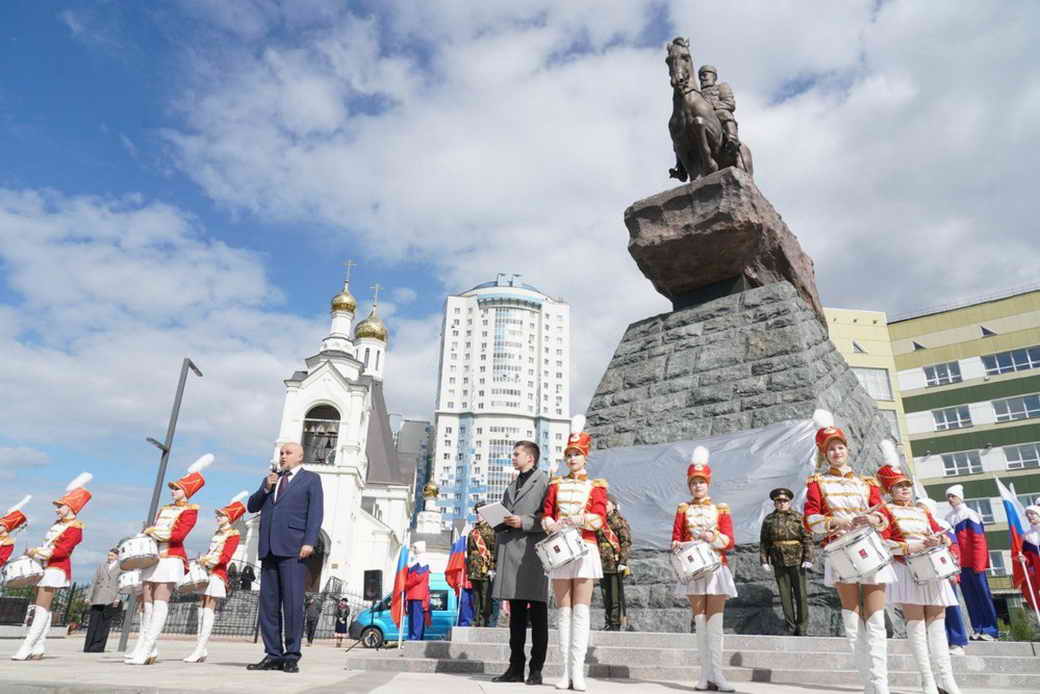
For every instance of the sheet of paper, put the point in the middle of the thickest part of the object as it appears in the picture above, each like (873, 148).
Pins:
(493, 514)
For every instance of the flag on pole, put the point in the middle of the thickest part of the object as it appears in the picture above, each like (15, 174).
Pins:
(397, 602)
(1015, 516)
(455, 573)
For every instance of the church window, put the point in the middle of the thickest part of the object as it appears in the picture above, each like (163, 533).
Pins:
(368, 353)
(378, 354)
(320, 431)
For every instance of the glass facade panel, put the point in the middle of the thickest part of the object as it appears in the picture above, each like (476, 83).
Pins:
(1025, 407)
(943, 374)
(952, 418)
(963, 463)
(1014, 360)
(1023, 456)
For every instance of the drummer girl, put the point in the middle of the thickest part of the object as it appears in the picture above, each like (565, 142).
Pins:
(56, 555)
(221, 548)
(837, 501)
(575, 501)
(172, 524)
(702, 519)
(912, 529)
(9, 523)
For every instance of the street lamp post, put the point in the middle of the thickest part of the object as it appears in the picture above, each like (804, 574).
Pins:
(160, 476)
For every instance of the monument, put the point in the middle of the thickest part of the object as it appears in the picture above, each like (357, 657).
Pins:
(745, 346)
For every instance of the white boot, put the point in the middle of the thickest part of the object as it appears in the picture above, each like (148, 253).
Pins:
(142, 629)
(939, 648)
(918, 637)
(565, 647)
(206, 618)
(862, 657)
(149, 652)
(701, 625)
(856, 638)
(580, 624)
(32, 645)
(715, 653)
(877, 651)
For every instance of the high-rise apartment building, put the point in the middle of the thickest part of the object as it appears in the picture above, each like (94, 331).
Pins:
(414, 444)
(504, 376)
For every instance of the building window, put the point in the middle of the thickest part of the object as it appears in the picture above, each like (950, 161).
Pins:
(1014, 360)
(1011, 409)
(1029, 500)
(952, 418)
(320, 431)
(943, 374)
(1020, 457)
(874, 381)
(963, 463)
(982, 507)
(996, 563)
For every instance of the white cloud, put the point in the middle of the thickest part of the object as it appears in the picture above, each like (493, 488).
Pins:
(20, 457)
(404, 295)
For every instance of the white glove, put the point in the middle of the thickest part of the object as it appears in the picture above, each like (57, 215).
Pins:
(621, 568)
(767, 568)
(491, 574)
(806, 564)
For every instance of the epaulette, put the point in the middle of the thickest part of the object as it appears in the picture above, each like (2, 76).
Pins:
(555, 480)
(233, 532)
(77, 524)
(722, 508)
(599, 482)
(870, 479)
(812, 478)
(682, 507)
(192, 507)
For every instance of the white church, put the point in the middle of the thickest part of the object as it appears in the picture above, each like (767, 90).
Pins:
(335, 408)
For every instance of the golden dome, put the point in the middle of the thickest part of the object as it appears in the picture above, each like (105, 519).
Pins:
(344, 301)
(371, 327)
(430, 490)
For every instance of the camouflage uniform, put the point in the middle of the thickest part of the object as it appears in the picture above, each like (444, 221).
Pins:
(480, 562)
(785, 545)
(615, 545)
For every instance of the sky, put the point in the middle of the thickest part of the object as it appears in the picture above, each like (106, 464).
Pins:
(187, 179)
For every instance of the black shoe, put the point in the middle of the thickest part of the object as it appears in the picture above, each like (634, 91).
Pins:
(509, 676)
(535, 677)
(290, 666)
(268, 663)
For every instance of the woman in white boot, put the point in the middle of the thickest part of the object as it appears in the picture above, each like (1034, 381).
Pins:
(912, 529)
(172, 524)
(837, 501)
(705, 520)
(576, 501)
(221, 548)
(56, 555)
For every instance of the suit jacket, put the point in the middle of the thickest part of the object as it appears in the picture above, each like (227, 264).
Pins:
(518, 571)
(105, 590)
(294, 520)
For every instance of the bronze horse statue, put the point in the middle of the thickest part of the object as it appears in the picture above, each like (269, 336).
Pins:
(697, 134)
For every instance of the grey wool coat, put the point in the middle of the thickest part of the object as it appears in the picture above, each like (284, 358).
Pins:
(518, 571)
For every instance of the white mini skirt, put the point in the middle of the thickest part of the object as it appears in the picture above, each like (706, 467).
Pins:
(168, 570)
(882, 576)
(53, 577)
(216, 588)
(588, 566)
(904, 591)
(718, 582)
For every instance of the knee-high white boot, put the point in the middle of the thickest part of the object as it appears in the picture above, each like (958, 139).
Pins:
(918, 637)
(701, 625)
(855, 635)
(149, 652)
(940, 650)
(142, 629)
(206, 618)
(715, 653)
(565, 647)
(32, 644)
(580, 624)
(877, 651)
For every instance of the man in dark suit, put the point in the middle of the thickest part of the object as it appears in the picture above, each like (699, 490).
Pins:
(291, 506)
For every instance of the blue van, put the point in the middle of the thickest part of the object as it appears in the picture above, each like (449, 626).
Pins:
(374, 626)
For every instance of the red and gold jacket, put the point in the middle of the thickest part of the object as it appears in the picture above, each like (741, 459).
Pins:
(172, 524)
(56, 550)
(837, 494)
(6, 548)
(696, 516)
(908, 523)
(221, 548)
(578, 497)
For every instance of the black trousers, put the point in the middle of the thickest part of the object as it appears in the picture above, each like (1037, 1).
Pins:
(97, 629)
(312, 626)
(524, 613)
(794, 597)
(613, 599)
(481, 602)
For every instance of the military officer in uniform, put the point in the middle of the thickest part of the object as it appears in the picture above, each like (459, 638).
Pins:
(786, 549)
(480, 568)
(720, 96)
(615, 544)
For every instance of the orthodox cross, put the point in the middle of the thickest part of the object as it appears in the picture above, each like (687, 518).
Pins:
(349, 264)
(375, 291)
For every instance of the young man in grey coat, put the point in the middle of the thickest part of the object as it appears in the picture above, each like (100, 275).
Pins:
(519, 576)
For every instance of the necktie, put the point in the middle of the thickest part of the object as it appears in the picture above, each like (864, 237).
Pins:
(281, 486)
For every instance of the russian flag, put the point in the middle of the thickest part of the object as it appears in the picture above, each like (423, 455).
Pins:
(397, 602)
(1015, 514)
(455, 573)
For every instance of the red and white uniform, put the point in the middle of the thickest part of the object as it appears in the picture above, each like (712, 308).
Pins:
(6, 548)
(584, 501)
(221, 548)
(56, 553)
(172, 524)
(908, 526)
(692, 519)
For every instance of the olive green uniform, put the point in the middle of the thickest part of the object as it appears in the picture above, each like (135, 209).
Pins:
(785, 545)
(480, 562)
(614, 549)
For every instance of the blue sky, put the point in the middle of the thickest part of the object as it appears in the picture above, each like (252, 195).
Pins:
(187, 178)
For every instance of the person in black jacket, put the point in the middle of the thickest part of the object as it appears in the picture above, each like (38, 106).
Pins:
(342, 620)
(313, 614)
(247, 577)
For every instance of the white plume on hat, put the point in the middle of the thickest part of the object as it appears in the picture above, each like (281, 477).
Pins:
(700, 456)
(238, 497)
(81, 480)
(577, 424)
(202, 463)
(17, 507)
(889, 453)
(822, 419)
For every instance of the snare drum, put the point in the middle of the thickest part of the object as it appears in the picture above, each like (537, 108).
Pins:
(856, 555)
(130, 581)
(23, 572)
(561, 548)
(195, 579)
(934, 564)
(693, 560)
(138, 552)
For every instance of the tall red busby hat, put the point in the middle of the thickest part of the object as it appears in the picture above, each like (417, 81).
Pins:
(826, 431)
(578, 439)
(14, 518)
(699, 465)
(193, 481)
(236, 509)
(76, 496)
(891, 473)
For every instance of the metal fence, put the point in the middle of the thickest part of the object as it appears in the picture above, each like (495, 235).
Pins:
(69, 607)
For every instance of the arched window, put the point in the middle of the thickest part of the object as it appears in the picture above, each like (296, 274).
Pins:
(320, 431)
(368, 351)
(378, 354)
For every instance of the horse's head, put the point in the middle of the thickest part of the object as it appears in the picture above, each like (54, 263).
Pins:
(680, 64)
